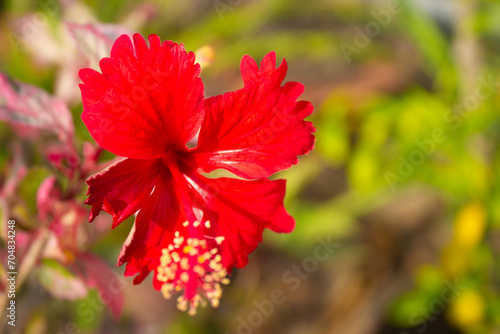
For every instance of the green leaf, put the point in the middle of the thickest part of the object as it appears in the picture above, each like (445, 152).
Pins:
(60, 282)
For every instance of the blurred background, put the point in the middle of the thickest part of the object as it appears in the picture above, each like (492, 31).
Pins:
(396, 208)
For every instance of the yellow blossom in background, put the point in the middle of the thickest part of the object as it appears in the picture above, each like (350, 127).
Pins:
(467, 310)
(205, 56)
(470, 224)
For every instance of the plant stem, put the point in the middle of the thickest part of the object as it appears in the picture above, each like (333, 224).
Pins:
(29, 261)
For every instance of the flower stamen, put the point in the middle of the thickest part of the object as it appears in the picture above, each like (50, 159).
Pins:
(189, 265)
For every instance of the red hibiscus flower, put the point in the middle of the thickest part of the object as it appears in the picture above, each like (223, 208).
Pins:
(191, 230)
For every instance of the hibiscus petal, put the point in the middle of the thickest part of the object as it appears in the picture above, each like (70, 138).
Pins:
(258, 130)
(146, 101)
(122, 188)
(239, 211)
(142, 251)
(153, 230)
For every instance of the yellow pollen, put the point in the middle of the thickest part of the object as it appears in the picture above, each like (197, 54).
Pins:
(176, 257)
(185, 263)
(166, 259)
(166, 289)
(188, 264)
(198, 269)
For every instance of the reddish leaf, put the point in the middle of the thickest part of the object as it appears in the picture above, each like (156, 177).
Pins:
(30, 106)
(99, 275)
(17, 172)
(95, 40)
(64, 158)
(45, 196)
